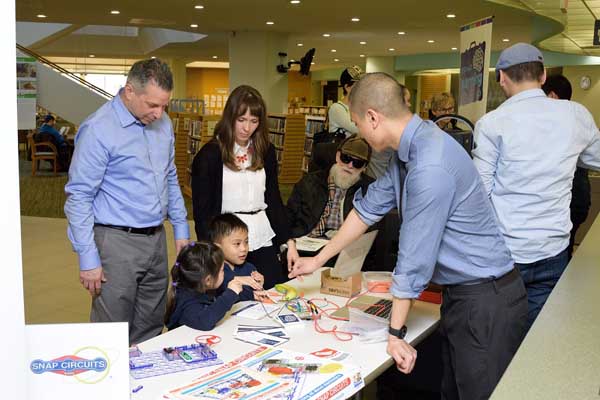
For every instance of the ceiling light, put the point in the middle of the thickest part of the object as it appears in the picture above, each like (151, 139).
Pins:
(295, 1)
(431, 41)
(363, 42)
(362, 56)
(215, 57)
(199, 7)
(336, 59)
(312, 63)
(450, 16)
(270, 23)
(326, 35)
(355, 19)
(401, 33)
(153, 57)
(300, 44)
(391, 49)
(333, 50)
(454, 48)
(92, 56)
(193, 25)
(41, 16)
(506, 40)
(115, 12)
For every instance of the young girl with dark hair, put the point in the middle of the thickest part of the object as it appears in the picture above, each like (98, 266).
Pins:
(236, 173)
(192, 299)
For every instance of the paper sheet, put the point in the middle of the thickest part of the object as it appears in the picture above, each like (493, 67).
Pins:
(306, 243)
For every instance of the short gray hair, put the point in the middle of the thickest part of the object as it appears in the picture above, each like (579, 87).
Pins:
(380, 92)
(154, 70)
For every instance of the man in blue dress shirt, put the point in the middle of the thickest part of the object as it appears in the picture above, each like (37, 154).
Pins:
(122, 186)
(527, 151)
(448, 236)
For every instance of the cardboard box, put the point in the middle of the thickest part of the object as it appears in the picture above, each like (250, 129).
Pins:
(344, 287)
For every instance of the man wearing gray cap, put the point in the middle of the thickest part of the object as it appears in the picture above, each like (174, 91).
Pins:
(526, 153)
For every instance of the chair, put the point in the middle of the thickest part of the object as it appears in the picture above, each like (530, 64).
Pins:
(39, 151)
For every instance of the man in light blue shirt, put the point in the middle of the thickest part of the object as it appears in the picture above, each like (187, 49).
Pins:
(122, 186)
(527, 151)
(448, 235)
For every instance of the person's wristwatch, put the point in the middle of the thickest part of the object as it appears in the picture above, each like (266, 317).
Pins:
(399, 333)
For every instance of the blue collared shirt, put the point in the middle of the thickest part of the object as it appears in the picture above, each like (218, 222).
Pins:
(122, 173)
(527, 151)
(448, 234)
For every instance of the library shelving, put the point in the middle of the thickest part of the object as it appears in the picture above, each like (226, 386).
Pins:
(314, 124)
(308, 110)
(286, 132)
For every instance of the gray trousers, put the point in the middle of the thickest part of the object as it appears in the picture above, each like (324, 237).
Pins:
(135, 267)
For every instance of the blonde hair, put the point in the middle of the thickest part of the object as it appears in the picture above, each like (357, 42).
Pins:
(442, 101)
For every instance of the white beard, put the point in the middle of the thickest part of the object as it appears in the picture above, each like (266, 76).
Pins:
(342, 179)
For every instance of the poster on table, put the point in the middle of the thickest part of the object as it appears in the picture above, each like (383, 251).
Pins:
(26, 92)
(475, 51)
(77, 361)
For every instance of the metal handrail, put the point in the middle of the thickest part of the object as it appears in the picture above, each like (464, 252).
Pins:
(64, 71)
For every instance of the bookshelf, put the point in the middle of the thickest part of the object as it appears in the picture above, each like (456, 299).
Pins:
(286, 132)
(314, 124)
(308, 110)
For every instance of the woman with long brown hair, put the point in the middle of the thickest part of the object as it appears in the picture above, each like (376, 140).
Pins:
(236, 172)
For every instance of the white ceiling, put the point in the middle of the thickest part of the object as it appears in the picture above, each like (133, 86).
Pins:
(380, 22)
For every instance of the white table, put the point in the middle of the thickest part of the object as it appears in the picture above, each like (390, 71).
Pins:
(372, 358)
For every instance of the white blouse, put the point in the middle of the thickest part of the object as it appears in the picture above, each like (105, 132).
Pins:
(245, 191)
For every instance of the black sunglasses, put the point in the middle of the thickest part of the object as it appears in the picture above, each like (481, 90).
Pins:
(356, 162)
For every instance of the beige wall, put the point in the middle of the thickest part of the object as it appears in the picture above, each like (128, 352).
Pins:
(589, 98)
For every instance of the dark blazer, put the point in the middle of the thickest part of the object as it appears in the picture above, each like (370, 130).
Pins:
(207, 192)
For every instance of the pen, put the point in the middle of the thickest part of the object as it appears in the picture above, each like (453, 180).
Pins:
(137, 389)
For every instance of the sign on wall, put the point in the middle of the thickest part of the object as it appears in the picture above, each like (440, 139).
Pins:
(475, 51)
(26, 92)
(77, 361)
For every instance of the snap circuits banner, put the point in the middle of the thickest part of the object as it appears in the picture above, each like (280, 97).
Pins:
(71, 361)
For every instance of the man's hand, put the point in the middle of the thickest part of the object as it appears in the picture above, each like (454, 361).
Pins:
(303, 266)
(248, 281)
(292, 254)
(403, 353)
(92, 280)
(180, 244)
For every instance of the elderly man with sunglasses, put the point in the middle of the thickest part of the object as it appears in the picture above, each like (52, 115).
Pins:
(321, 200)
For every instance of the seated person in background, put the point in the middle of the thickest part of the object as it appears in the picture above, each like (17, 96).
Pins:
(230, 233)
(48, 132)
(322, 199)
(558, 87)
(443, 104)
(192, 299)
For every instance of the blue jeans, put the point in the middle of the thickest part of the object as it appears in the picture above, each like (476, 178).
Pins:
(540, 277)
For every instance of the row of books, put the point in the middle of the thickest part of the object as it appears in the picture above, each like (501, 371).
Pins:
(277, 124)
(277, 140)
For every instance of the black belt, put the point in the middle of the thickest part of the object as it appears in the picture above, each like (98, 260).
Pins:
(151, 230)
(248, 212)
(491, 284)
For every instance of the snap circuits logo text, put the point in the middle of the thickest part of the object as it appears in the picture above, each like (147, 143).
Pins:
(87, 365)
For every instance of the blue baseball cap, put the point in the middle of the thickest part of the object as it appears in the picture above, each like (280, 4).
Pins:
(517, 54)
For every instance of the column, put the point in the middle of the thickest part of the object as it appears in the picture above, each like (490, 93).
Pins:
(178, 69)
(384, 64)
(253, 59)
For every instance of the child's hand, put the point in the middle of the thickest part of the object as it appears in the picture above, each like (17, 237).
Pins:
(262, 296)
(248, 281)
(235, 285)
(258, 277)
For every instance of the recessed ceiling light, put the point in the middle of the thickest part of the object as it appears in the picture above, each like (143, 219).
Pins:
(115, 12)
(333, 50)
(199, 7)
(270, 23)
(450, 16)
(193, 25)
(41, 16)
(295, 1)
(215, 57)
(326, 35)
(312, 63)
(431, 41)
(362, 55)
(392, 49)
(363, 42)
(92, 55)
(454, 48)
(506, 40)
(336, 59)
(300, 44)
(355, 19)
(292, 60)
(401, 33)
